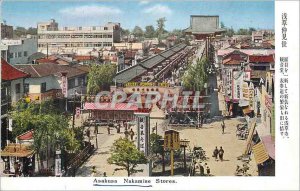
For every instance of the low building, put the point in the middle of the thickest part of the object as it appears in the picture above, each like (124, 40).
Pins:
(46, 80)
(257, 36)
(18, 51)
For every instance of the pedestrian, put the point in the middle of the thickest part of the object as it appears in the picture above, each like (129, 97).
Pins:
(223, 127)
(93, 171)
(118, 128)
(215, 153)
(108, 130)
(131, 134)
(208, 171)
(221, 153)
(104, 174)
(126, 133)
(201, 170)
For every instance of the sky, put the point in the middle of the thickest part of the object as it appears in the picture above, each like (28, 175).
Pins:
(235, 14)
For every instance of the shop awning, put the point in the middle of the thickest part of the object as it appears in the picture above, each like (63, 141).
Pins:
(17, 150)
(260, 153)
(110, 107)
(250, 136)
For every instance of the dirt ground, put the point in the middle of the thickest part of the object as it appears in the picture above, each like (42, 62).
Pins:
(211, 136)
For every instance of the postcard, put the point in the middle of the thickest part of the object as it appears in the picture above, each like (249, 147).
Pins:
(149, 95)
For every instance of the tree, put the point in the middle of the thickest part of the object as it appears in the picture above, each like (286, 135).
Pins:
(196, 75)
(223, 25)
(50, 128)
(138, 32)
(229, 32)
(250, 30)
(149, 31)
(100, 78)
(160, 27)
(21, 31)
(125, 32)
(155, 145)
(125, 154)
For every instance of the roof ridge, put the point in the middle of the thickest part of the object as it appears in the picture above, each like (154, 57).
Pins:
(35, 70)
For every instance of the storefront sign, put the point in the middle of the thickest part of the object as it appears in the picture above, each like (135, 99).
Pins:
(143, 123)
(58, 164)
(146, 84)
(171, 140)
(64, 85)
(237, 83)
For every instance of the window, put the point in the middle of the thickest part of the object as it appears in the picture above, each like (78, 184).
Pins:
(43, 87)
(11, 55)
(18, 88)
(25, 53)
(71, 83)
(105, 28)
(19, 54)
(81, 81)
(26, 88)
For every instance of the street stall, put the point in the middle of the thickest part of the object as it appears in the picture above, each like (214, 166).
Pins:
(18, 159)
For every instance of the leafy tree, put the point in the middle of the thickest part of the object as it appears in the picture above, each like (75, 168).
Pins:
(155, 146)
(160, 27)
(138, 32)
(50, 128)
(229, 32)
(223, 25)
(125, 154)
(125, 32)
(196, 75)
(250, 30)
(100, 78)
(149, 31)
(20, 31)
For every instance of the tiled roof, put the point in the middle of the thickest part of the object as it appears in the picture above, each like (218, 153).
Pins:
(137, 70)
(261, 58)
(110, 107)
(230, 61)
(47, 69)
(9, 72)
(84, 58)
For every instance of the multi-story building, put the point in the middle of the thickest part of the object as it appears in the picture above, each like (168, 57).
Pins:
(18, 51)
(79, 40)
(12, 89)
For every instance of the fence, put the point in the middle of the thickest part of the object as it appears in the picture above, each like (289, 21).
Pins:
(74, 163)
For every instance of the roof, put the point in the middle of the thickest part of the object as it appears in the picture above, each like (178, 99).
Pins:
(110, 107)
(84, 57)
(17, 150)
(47, 69)
(9, 72)
(223, 52)
(26, 136)
(231, 61)
(36, 56)
(137, 70)
(261, 58)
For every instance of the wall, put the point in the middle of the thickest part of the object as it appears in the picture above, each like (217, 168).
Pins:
(29, 45)
(16, 96)
(35, 84)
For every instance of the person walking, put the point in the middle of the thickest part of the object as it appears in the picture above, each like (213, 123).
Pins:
(108, 130)
(131, 134)
(119, 128)
(221, 153)
(207, 170)
(201, 170)
(215, 153)
(126, 133)
(223, 127)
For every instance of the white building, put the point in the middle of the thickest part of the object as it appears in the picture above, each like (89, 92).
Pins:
(18, 51)
(79, 40)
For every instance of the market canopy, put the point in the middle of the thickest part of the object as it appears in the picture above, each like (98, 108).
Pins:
(110, 107)
(17, 150)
